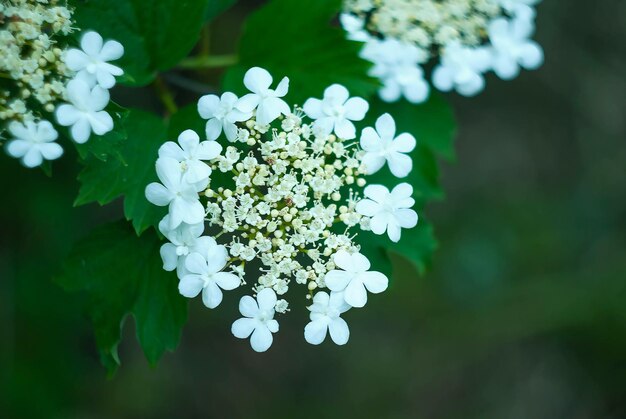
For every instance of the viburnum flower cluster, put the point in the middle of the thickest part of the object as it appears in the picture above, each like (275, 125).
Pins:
(277, 201)
(461, 39)
(44, 80)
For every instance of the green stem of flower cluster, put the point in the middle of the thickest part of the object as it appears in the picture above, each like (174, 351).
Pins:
(208, 61)
(165, 95)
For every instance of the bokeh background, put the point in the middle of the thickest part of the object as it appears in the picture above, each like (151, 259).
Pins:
(523, 314)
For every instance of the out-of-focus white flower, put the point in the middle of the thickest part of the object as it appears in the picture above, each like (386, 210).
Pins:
(389, 211)
(92, 61)
(523, 9)
(355, 26)
(258, 320)
(85, 112)
(462, 69)
(265, 100)
(205, 275)
(381, 145)
(325, 316)
(336, 111)
(181, 196)
(33, 142)
(512, 48)
(222, 115)
(190, 154)
(354, 278)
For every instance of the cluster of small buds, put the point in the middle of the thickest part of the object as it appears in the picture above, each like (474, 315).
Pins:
(39, 72)
(464, 38)
(284, 196)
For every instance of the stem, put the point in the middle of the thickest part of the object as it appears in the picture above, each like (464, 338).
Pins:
(165, 95)
(208, 61)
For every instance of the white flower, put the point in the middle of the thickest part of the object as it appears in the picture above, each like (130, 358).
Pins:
(185, 239)
(390, 211)
(520, 8)
(462, 68)
(325, 313)
(91, 62)
(190, 154)
(258, 320)
(355, 26)
(336, 111)
(511, 47)
(382, 146)
(266, 101)
(407, 81)
(182, 197)
(33, 142)
(353, 278)
(221, 114)
(85, 114)
(205, 275)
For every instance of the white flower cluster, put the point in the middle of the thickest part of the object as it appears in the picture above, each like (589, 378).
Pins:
(464, 38)
(38, 71)
(286, 207)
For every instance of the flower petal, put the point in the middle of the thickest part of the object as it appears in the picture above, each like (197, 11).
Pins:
(266, 298)
(315, 331)
(190, 286)
(169, 256)
(196, 264)
(386, 127)
(257, 80)
(345, 129)
(91, 43)
(336, 93)
(33, 157)
(406, 218)
(211, 295)
(356, 108)
(355, 294)
(339, 331)
(226, 280)
(400, 164)
(188, 140)
(208, 105)
(111, 50)
(81, 130)
(158, 194)
(404, 143)
(313, 108)
(337, 280)
(367, 207)
(242, 328)
(375, 282)
(248, 306)
(261, 339)
(377, 193)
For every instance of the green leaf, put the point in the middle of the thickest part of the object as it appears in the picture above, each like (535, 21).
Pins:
(128, 175)
(301, 42)
(417, 245)
(217, 7)
(156, 34)
(122, 275)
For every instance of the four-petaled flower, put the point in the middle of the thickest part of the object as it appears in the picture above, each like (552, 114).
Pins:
(92, 62)
(462, 68)
(190, 154)
(258, 320)
(512, 47)
(325, 316)
(336, 111)
(266, 101)
(181, 196)
(33, 142)
(354, 277)
(85, 113)
(221, 114)
(389, 211)
(204, 274)
(184, 240)
(382, 146)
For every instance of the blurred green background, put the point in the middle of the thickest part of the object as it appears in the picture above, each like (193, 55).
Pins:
(522, 316)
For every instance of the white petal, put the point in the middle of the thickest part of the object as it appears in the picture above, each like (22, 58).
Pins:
(158, 194)
(18, 148)
(315, 331)
(417, 92)
(169, 256)
(190, 286)
(248, 103)
(248, 306)
(356, 108)
(406, 218)
(386, 126)
(168, 171)
(98, 98)
(367, 207)
(377, 193)
(193, 211)
(272, 325)
(172, 150)
(230, 130)
(505, 67)
(531, 56)
(33, 157)
(355, 294)
(336, 93)
(393, 230)
(343, 259)
(404, 143)
(105, 79)
(337, 280)
(261, 339)
(226, 280)
(51, 151)
(339, 331)
(81, 130)
(208, 106)
(91, 43)
(266, 298)
(401, 191)
(324, 125)
(283, 87)
(111, 50)
(208, 150)
(359, 262)
(242, 328)
(67, 115)
(400, 164)
(373, 162)
(75, 59)
(257, 79)
(188, 140)
(390, 92)
(443, 78)
(196, 264)
(211, 295)
(345, 129)
(213, 129)
(313, 108)
(375, 282)
(101, 122)
(370, 140)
